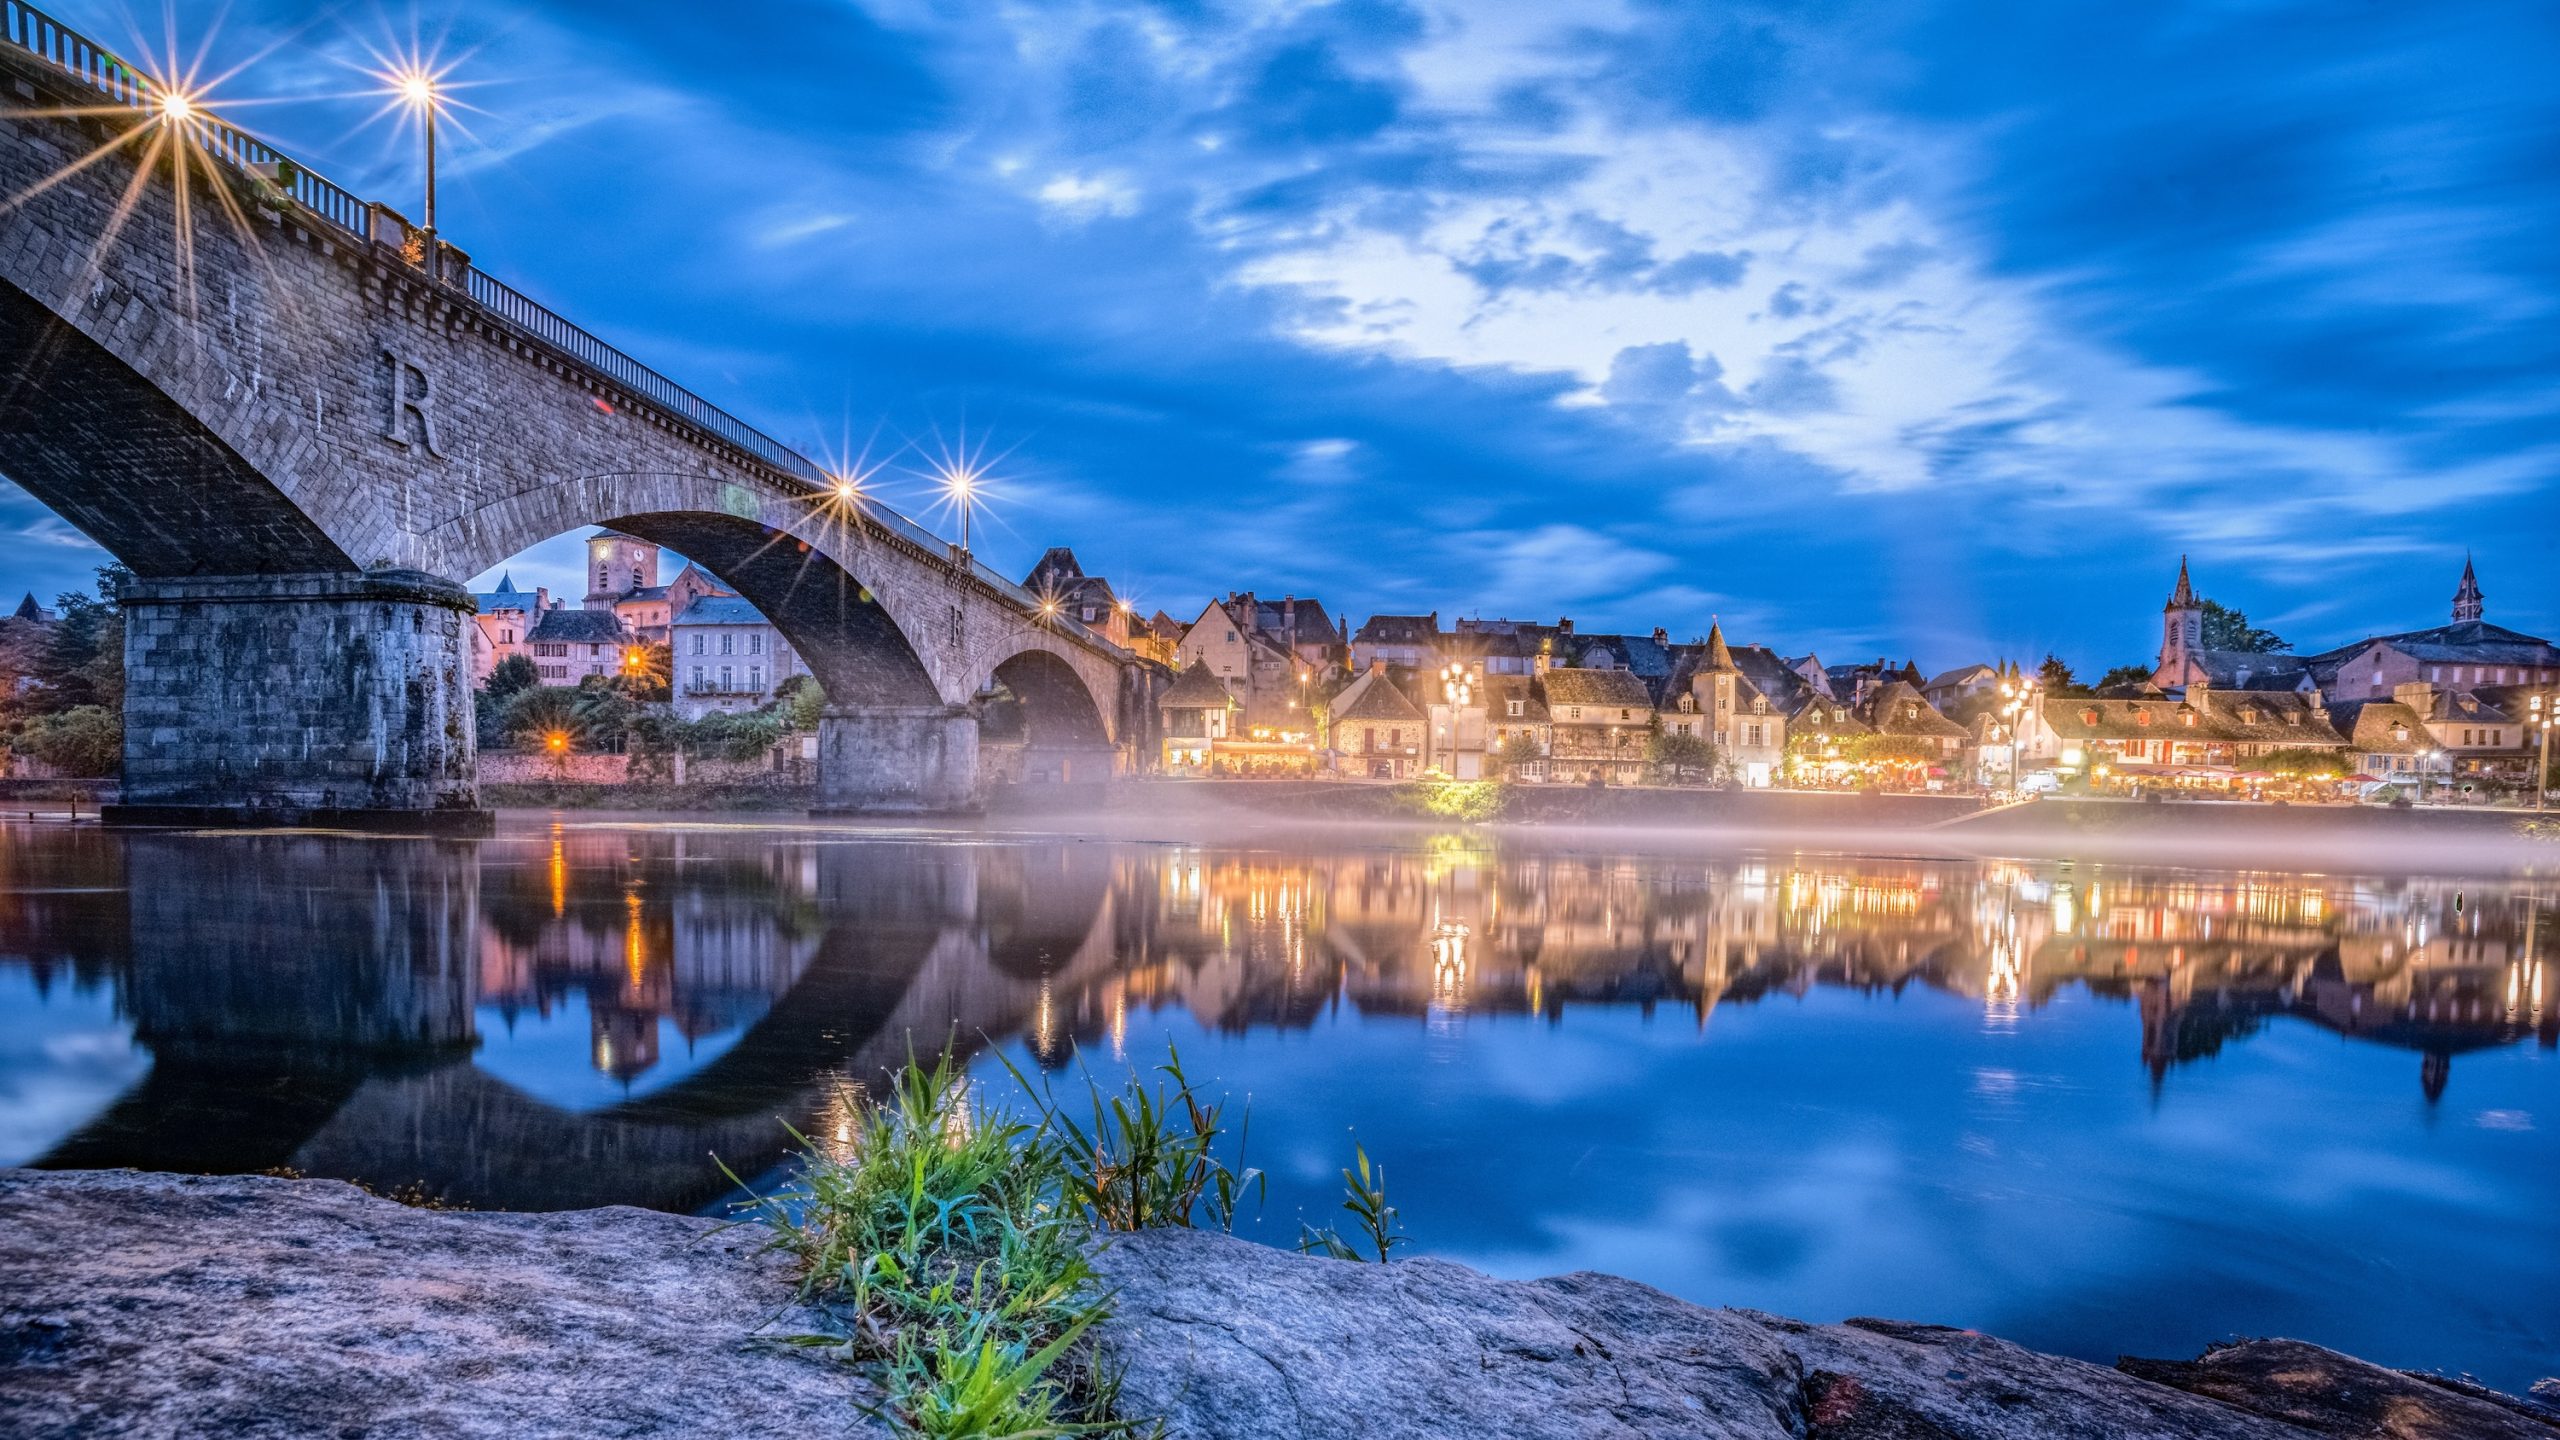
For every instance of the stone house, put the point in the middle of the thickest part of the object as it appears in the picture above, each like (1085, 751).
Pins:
(1598, 724)
(1898, 709)
(1198, 713)
(569, 646)
(2385, 739)
(1517, 705)
(1712, 697)
(728, 658)
(1377, 730)
(1266, 678)
(1410, 643)
(503, 618)
(1086, 599)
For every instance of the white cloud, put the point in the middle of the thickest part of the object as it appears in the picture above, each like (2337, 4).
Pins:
(1087, 197)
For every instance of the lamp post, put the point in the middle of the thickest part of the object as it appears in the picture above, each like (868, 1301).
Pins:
(963, 489)
(2545, 709)
(419, 89)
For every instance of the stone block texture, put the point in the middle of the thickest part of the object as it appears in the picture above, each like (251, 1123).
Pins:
(298, 694)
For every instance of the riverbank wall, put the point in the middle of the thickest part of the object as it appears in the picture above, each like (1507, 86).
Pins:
(160, 1305)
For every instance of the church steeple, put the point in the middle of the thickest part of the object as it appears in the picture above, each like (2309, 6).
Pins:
(2468, 603)
(2181, 636)
(2184, 597)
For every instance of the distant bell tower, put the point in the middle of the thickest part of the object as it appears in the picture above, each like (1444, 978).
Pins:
(617, 565)
(2468, 603)
(2181, 636)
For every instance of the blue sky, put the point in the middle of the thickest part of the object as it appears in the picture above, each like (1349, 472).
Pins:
(1939, 329)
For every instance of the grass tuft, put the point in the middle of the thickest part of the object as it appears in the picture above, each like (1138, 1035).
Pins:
(948, 1241)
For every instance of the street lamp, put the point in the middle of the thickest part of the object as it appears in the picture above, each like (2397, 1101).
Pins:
(961, 484)
(418, 88)
(2545, 710)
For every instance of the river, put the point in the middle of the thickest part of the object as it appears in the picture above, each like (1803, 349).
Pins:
(2092, 1108)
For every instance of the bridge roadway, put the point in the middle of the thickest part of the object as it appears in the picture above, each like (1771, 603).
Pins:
(303, 424)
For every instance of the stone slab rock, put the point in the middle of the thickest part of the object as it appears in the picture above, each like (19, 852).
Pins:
(163, 1305)
(2331, 1394)
(1231, 1341)
(1886, 1380)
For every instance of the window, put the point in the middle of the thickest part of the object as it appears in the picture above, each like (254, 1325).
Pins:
(697, 677)
(1368, 738)
(726, 684)
(1513, 707)
(1759, 706)
(1626, 715)
(1752, 736)
(1395, 736)
(604, 578)
(755, 678)
(1573, 712)
(755, 642)
(1231, 637)
(728, 642)
(697, 644)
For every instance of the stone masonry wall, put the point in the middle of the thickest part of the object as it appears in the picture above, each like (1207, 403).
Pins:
(298, 694)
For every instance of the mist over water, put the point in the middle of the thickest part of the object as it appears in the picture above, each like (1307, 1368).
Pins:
(2097, 1107)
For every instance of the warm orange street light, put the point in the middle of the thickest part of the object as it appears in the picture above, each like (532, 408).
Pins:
(557, 740)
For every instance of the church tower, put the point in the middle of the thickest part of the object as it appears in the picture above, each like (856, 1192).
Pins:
(618, 564)
(2181, 637)
(2468, 603)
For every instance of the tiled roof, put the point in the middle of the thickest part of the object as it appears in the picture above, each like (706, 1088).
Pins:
(2469, 642)
(1821, 716)
(2251, 669)
(1195, 689)
(720, 610)
(2260, 717)
(1899, 709)
(1501, 690)
(1399, 630)
(1374, 697)
(2380, 727)
(1608, 689)
(1315, 627)
(576, 627)
(2279, 717)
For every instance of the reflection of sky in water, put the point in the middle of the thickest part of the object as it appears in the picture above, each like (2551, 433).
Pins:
(555, 1058)
(1845, 1154)
(64, 1056)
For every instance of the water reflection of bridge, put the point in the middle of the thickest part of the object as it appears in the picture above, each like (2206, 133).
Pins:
(312, 1002)
(352, 1007)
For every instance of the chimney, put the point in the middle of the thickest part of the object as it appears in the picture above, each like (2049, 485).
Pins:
(1564, 625)
(1289, 619)
(1661, 636)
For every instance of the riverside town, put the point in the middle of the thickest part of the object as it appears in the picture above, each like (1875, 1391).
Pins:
(1309, 720)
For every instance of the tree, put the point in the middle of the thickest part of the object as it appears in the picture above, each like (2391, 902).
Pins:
(85, 741)
(83, 658)
(799, 702)
(2303, 762)
(2226, 628)
(648, 674)
(510, 676)
(534, 716)
(1678, 756)
(2057, 679)
(1519, 753)
(2124, 678)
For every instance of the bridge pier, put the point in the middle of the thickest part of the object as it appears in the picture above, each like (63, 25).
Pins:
(311, 699)
(898, 760)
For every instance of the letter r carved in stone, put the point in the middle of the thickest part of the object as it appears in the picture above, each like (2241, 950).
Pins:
(412, 394)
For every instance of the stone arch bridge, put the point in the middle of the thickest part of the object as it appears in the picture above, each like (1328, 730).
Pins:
(302, 423)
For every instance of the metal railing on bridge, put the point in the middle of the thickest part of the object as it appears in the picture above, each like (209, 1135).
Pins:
(111, 76)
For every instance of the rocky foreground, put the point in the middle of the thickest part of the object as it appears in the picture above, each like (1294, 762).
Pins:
(154, 1305)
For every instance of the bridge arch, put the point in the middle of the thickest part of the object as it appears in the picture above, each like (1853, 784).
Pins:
(123, 462)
